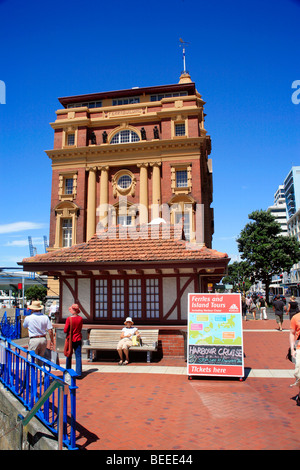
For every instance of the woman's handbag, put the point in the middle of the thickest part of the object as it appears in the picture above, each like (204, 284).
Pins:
(68, 349)
(52, 356)
(135, 340)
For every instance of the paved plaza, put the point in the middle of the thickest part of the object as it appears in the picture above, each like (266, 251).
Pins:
(156, 407)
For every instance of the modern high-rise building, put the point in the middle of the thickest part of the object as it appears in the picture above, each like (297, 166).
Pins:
(278, 209)
(292, 191)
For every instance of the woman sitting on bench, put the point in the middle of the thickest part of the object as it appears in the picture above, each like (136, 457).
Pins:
(126, 340)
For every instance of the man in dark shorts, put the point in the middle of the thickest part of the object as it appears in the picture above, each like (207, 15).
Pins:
(279, 307)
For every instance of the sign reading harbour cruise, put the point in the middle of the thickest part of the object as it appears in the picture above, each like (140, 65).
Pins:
(215, 338)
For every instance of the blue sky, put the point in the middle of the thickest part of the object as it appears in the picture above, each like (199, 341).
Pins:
(243, 57)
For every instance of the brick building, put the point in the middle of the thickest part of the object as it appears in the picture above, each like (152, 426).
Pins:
(126, 163)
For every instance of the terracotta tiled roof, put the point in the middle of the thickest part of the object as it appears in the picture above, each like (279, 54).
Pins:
(143, 243)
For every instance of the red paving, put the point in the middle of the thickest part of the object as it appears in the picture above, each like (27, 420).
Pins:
(127, 411)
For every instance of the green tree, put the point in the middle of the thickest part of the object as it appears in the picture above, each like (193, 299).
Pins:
(239, 276)
(36, 293)
(267, 252)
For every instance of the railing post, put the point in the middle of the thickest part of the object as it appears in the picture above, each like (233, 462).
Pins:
(61, 418)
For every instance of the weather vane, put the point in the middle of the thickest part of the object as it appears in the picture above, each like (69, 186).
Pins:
(183, 44)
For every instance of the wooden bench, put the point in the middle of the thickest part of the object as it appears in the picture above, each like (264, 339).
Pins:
(107, 340)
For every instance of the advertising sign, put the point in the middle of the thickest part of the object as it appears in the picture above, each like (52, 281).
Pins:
(215, 338)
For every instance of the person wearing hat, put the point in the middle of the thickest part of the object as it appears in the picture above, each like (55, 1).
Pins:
(74, 326)
(38, 324)
(126, 340)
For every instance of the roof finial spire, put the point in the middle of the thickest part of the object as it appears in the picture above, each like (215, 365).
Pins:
(183, 44)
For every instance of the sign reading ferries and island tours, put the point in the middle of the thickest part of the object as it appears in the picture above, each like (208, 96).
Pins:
(215, 339)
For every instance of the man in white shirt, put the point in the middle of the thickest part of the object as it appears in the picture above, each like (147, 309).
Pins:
(38, 324)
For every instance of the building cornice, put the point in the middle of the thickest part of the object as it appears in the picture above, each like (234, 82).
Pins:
(108, 153)
(114, 115)
(189, 87)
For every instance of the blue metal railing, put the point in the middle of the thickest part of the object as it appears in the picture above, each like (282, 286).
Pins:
(11, 327)
(28, 376)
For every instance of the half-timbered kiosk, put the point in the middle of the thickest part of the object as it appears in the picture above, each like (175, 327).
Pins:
(145, 272)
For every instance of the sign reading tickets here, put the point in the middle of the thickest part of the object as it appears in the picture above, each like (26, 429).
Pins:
(215, 338)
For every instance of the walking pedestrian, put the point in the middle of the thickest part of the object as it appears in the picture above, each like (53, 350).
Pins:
(252, 308)
(279, 307)
(244, 307)
(263, 308)
(248, 303)
(38, 324)
(293, 307)
(73, 327)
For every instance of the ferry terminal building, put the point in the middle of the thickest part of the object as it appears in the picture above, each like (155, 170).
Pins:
(131, 221)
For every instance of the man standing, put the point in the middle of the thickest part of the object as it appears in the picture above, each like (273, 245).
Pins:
(279, 307)
(38, 324)
(295, 349)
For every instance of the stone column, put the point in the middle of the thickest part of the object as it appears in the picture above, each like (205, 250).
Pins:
(103, 208)
(143, 208)
(156, 193)
(91, 204)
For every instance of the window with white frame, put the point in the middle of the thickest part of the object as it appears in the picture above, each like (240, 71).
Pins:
(67, 232)
(152, 298)
(117, 298)
(89, 104)
(179, 129)
(71, 139)
(101, 298)
(185, 218)
(135, 298)
(125, 136)
(121, 101)
(181, 178)
(167, 95)
(124, 220)
(69, 185)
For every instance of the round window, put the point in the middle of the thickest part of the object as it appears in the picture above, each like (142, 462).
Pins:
(124, 182)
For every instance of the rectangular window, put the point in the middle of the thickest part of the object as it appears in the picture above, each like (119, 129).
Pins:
(117, 298)
(90, 104)
(179, 129)
(152, 298)
(186, 223)
(135, 298)
(101, 298)
(69, 186)
(66, 232)
(122, 101)
(71, 139)
(181, 179)
(167, 95)
(124, 220)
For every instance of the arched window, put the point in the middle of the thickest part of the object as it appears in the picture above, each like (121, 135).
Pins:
(125, 136)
